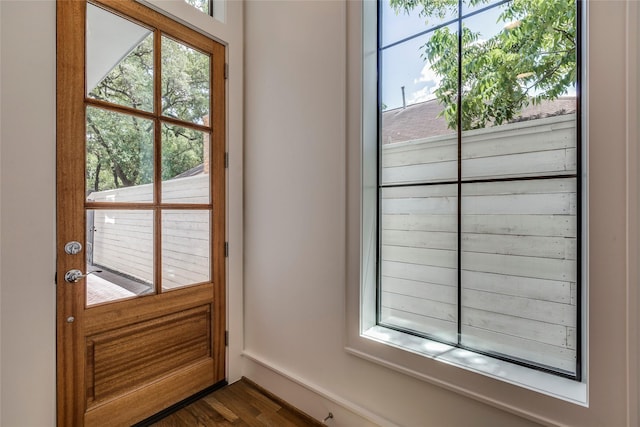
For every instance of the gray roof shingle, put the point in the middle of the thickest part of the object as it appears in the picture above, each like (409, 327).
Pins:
(421, 120)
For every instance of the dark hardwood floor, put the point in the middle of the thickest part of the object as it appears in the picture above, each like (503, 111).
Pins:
(240, 404)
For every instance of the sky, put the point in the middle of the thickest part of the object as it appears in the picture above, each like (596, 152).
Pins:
(402, 64)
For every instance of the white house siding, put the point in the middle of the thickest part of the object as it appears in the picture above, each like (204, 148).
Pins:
(518, 241)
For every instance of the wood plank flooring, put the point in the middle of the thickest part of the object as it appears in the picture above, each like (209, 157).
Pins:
(240, 404)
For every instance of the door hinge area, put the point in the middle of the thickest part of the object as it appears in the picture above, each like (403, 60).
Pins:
(226, 338)
(226, 249)
(226, 160)
(226, 71)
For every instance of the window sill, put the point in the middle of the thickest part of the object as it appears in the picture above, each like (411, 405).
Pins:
(531, 379)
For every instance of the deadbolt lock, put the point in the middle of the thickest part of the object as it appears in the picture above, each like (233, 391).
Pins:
(73, 248)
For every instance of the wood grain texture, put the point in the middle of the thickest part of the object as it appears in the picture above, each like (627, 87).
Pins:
(111, 370)
(121, 360)
(70, 133)
(240, 404)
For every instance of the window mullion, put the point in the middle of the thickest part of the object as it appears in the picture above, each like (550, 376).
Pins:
(459, 160)
(157, 158)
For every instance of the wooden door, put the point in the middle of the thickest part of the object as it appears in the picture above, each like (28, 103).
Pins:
(140, 189)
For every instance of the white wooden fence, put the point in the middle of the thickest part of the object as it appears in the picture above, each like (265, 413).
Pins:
(123, 239)
(518, 240)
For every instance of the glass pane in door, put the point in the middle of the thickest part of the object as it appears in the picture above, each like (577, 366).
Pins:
(120, 245)
(186, 248)
(185, 82)
(185, 165)
(119, 156)
(119, 60)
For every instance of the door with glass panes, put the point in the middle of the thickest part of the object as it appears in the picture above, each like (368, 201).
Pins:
(140, 219)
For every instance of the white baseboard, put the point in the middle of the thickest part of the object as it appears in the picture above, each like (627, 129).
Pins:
(309, 397)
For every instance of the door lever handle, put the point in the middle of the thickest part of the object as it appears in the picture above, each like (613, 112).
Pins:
(73, 276)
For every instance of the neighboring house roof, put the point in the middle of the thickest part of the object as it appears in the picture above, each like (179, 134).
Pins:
(421, 120)
(197, 170)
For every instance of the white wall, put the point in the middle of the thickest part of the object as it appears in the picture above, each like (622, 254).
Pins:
(27, 173)
(295, 224)
(295, 268)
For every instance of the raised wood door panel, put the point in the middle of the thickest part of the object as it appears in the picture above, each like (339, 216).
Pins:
(137, 351)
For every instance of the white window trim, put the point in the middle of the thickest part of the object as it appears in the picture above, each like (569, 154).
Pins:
(472, 374)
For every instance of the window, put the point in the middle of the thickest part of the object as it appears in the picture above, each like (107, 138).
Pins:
(478, 181)
(149, 138)
(202, 5)
(214, 8)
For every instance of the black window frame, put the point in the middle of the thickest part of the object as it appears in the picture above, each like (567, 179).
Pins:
(578, 176)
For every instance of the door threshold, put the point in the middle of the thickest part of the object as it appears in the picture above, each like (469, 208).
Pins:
(183, 403)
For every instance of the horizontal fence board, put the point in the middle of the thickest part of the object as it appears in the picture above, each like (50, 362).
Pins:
(420, 222)
(421, 152)
(188, 248)
(114, 217)
(513, 165)
(422, 273)
(178, 277)
(180, 190)
(529, 187)
(540, 162)
(544, 146)
(423, 307)
(123, 239)
(436, 328)
(432, 205)
(520, 140)
(512, 265)
(431, 172)
(187, 274)
(523, 225)
(187, 200)
(430, 291)
(424, 191)
(129, 247)
(185, 260)
(420, 239)
(529, 329)
(137, 193)
(525, 287)
(432, 257)
(519, 239)
(528, 350)
(534, 246)
(194, 233)
(182, 219)
(505, 204)
(514, 204)
(526, 308)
